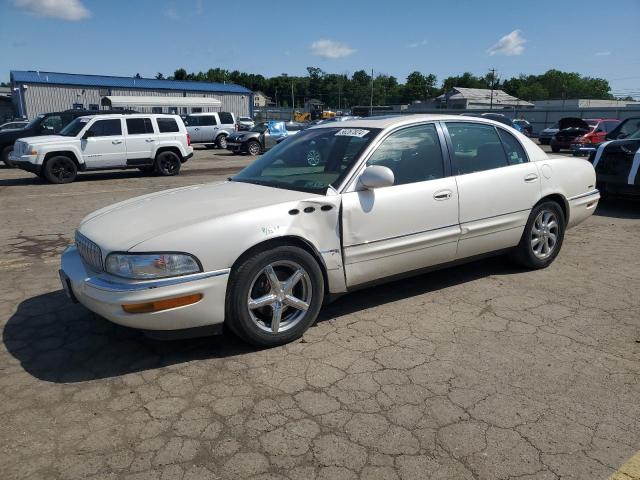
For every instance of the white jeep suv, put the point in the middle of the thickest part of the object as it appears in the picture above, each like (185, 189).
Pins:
(151, 143)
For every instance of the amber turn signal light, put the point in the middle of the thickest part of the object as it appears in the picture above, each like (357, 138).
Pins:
(162, 304)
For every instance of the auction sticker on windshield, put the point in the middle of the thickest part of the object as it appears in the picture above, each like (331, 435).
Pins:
(352, 132)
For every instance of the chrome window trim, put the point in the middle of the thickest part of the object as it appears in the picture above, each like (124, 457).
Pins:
(108, 285)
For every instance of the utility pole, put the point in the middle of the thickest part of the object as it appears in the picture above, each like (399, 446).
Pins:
(493, 76)
(276, 97)
(293, 102)
(371, 101)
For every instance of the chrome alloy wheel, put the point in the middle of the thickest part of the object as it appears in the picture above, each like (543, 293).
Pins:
(279, 296)
(544, 234)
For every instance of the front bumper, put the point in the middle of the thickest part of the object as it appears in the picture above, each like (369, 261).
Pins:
(582, 149)
(26, 162)
(105, 294)
(236, 146)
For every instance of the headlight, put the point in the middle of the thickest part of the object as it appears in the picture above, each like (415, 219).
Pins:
(152, 265)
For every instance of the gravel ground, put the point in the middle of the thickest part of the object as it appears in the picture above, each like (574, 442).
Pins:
(481, 371)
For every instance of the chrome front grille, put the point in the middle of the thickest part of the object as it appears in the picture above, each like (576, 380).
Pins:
(19, 148)
(89, 251)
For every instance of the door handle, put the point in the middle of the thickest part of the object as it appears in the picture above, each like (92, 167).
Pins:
(532, 177)
(116, 142)
(442, 195)
(196, 129)
(149, 140)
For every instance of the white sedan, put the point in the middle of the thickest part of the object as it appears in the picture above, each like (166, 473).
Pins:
(334, 208)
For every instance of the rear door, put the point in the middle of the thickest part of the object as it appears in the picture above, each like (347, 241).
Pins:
(208, 128)
(497, 185)
(141, 139)
(105, 146)
(227, 122)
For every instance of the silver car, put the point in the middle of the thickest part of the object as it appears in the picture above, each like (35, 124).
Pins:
(210, 128)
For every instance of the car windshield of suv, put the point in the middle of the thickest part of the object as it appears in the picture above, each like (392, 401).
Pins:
(310, 161)
(74, 127)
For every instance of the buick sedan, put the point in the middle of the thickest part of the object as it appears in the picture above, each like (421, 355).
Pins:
(337, 207)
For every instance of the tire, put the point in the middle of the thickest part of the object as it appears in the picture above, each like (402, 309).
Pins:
(546, 224)
(251, 280)
(60, 169)
(221, 142)
(6, 151)
(555, 149)
(253, 148)
(167, 164)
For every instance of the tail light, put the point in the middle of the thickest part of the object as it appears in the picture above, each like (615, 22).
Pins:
(237, 127)
(188, 140)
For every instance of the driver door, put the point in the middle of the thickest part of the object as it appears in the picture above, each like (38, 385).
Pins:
(104, 146)
(410, 225)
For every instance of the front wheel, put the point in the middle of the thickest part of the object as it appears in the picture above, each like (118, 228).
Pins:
(253, 148)
(167, 164)
(60, 169)
(542, 237)
(6, 151)
(274, 296)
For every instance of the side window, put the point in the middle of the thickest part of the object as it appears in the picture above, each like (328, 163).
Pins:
(192, 121)
(608, 126)
(93, 106)
(106, 128)
(139, 126)
(225, 118)
(207, 120)
(156, 109)
(515, 152)
(51, 124)
(413, 155)
(476, 147)
(166, 125)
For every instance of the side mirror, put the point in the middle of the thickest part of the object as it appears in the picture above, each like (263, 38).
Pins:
(376, 176)
(88, 134)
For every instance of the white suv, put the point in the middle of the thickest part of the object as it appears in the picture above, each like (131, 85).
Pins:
(151, 143)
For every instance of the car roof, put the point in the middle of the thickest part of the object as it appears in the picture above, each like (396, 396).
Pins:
(199, 114)
(130, 115)
(389, 121)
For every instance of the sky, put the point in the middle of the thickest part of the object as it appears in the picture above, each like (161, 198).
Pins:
(125, 37)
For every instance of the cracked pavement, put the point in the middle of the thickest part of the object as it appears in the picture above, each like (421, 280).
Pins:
(482, 371)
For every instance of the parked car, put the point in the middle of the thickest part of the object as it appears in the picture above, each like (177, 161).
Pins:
(498, 117)
(151, 143)
(525, 126)
(17, 125)
(245, 123)
(545, 135)
(211, 128)
(259, 139)
(45, 124)
(617, 163)
(623, 130)
(261, 252)
(581, 131)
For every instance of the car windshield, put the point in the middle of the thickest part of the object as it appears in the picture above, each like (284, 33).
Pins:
(74, 127)
(35, 122)
(310, 161)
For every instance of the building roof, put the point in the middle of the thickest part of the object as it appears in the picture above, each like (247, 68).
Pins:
(32, 76)
(483, 95)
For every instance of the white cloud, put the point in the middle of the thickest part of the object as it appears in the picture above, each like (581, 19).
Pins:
(510, 44)
(421, 43)
(331, 49)
(603, 54)
(171, 13)
(72, 10)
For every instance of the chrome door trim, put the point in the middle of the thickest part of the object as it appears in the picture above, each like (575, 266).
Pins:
(587, 194)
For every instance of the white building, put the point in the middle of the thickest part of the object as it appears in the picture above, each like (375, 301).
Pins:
(479, 98)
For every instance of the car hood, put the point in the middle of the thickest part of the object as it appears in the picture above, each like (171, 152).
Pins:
(46, 139)
(571, 122)
(121, 226)
(239, 136)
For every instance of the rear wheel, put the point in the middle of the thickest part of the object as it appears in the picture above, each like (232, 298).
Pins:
(60, 169)
(542, 237)
(253, 148)
(6, 151)
(274, 296)
(167, 164)
(221, 141)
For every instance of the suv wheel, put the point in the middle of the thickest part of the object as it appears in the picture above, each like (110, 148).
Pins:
(60, 169)
(167, 164)
(6, 151)
(253, 148)
(221, 141)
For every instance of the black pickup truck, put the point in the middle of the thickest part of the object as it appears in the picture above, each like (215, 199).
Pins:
(44, 124)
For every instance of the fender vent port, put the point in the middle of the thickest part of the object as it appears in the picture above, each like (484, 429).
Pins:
(326, 208)
(295, 211)
(309, 210)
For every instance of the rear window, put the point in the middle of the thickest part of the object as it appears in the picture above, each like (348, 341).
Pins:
(166, 125)
(226, 118)
(139, 126)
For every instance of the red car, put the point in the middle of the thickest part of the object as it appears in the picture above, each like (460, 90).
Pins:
(581, 131)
